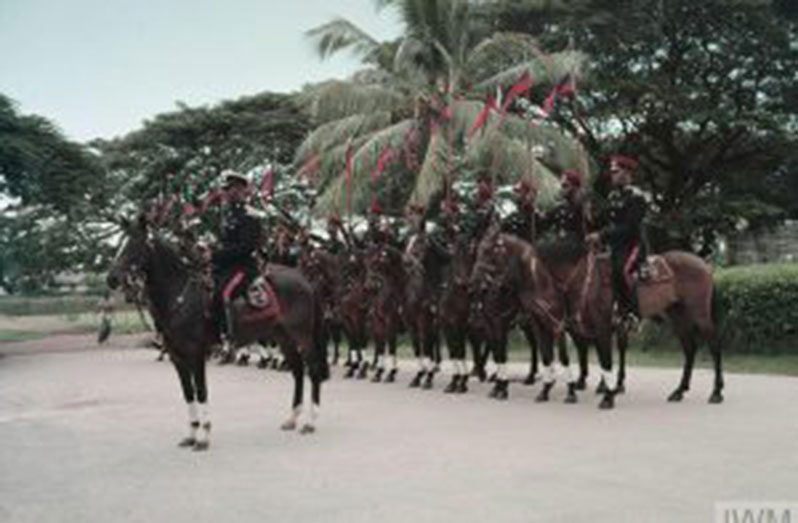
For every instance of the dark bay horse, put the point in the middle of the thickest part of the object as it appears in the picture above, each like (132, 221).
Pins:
(353, 300)
(385, 281)
(454, 317)
(178, 297)
(323, 271)
(424, 267)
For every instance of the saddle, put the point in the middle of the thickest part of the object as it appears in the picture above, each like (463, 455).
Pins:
(657, 290)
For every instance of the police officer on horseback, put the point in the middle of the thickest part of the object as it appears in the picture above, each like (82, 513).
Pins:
(624, 232)
(234, 261)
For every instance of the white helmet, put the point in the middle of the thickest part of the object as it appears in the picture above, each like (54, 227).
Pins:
(230, 177)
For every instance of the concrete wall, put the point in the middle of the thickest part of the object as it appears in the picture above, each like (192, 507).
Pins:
(779, 245)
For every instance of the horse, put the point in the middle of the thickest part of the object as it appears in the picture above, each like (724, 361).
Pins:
(682, 291)
(179, 300)
(353, 300)
(322, 269)
(454, 314)
(385, 280)
(501, 292)
(424, 264)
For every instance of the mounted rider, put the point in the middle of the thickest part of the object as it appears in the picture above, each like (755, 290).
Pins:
(566, 223)
(623, 233)
(522, 221)
(234, 261)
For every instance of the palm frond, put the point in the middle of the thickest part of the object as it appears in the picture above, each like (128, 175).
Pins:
(436, 167)
(341, 34)
(545, 69)
(338, 99)
(337, 132)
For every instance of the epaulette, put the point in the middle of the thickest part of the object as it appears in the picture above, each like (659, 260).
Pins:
(255, 213)
(637, 191)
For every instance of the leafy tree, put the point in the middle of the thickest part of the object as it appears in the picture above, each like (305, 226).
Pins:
(419, 97)
(703, 93)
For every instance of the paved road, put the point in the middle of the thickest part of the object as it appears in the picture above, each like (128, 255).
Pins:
(89, 435)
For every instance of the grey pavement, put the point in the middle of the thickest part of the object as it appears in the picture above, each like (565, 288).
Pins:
(90, 434)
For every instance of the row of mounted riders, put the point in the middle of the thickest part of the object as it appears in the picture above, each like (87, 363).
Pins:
(474, 277)
(471, 279)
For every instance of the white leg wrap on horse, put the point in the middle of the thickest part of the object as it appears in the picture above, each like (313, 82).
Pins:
(314, 412)
(394, 362)
(548, 374)
(421, 364)
(501, 371)
(205, 422)
(568, 374)
(426, 363)
(193, 414)
(609, 378)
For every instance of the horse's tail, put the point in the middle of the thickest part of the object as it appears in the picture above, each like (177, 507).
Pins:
(318, 366)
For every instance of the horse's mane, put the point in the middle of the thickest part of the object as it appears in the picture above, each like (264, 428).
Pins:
(168, 254)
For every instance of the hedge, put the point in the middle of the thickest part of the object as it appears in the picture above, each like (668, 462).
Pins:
(759, 305)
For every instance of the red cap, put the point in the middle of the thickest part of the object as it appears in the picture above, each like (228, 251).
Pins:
(573, 177)
(376, 208)
(624, 161)
(484, 192)
(524, 187)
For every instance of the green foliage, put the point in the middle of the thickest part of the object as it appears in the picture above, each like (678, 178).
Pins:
(758, 304)
(702, 92)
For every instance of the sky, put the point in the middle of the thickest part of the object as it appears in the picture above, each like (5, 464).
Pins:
(99, 68)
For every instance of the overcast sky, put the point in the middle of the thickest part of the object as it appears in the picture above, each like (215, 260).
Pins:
(99, 67)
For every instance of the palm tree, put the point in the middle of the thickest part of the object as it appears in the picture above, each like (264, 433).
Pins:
(419, 97)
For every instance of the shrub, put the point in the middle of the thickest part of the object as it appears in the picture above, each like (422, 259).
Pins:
(759, 306)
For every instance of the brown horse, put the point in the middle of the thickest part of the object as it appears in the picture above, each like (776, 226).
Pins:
(681, 290)
(323, 271)
(353, 299)
(424, 266)
(179, 301)
(454, 312)
(385, 280)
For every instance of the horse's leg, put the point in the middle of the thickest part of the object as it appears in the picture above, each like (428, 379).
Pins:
(422, 368)
(379, 359)
(604, 352)
(335, 335)
(187, 387)
(686, 334)
(456, 345)
(565, 361)
(500, 389)
(297, 370)
(315, 406)
(479, 350)
(430, 346)
(546, 344)
(200, 384)
(394, 364)
(533, 357)
(581, 353)
(717, 390)
(622, 341)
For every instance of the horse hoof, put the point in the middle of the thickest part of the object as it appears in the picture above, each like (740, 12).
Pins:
(530, 380)
(307, 428)
(187, 442)
(493, 378)
(716, 398)
(607, 403)
(451, 388)
(620, 388)
(676, 396)
(416, 380)
(288, 425)
(377, 377)
(462, 387)
(543, 397)
(602, 388)
(581, 384)
(391, 377)
(428, 382)
(479, 374)
(200, 446)
(571, 398)
(262, 364)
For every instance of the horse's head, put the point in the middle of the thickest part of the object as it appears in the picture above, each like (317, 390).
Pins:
(490, 260)
(133, 255)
